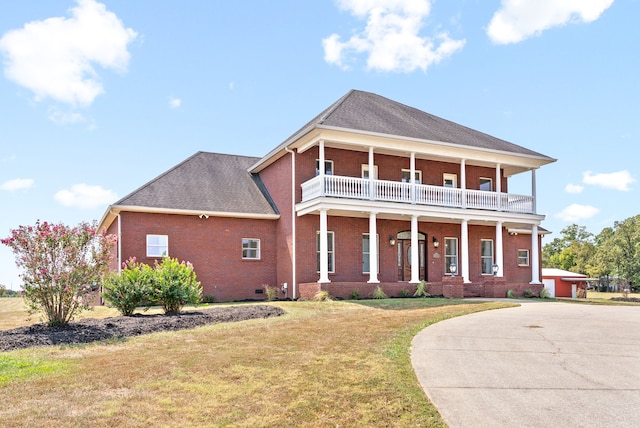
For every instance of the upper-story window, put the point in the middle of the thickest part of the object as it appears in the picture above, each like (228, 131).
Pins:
(365, 171)
(157, 245)
(406, 174)
(328, 167)
(450, 180)
(486, 184)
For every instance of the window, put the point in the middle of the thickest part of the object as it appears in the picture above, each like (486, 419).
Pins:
(406, 173)
(450, 180)
(330, 239)
(486, 184)
(157, 245)
(523, 257)
(251, 248)
(365, 171)
(486, 256)
(328, 167)
(450, 254)
(366, 251)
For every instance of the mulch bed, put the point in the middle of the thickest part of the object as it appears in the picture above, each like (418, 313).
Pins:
(93, 329)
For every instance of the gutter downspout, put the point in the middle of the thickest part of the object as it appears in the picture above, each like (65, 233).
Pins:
(294, 283)
(119, 241)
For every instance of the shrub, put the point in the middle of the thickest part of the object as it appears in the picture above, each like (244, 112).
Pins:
(174, 285)
(355, 295)
(378, 293)
(421, 290)
(322, 296)
(544, 293)
(60, 266)
(528, 293)
(271, 292)
(404, 293)
(208, 298)
(127, 289)
(511, 294)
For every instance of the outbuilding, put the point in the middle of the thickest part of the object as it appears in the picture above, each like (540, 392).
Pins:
(563, 283)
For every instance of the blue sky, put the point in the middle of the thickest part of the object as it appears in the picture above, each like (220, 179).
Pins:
(97, 98)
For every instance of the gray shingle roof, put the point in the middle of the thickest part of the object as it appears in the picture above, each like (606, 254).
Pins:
(208, 182)
(368, 112)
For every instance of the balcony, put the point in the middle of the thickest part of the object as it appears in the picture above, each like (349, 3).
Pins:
(420, 194)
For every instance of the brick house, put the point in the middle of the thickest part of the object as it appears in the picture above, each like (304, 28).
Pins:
(369, 193)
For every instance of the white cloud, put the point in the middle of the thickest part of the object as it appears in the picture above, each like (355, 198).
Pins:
(17, 184)
(85, 196)
(65, 118)
(55, 57)
(174, 102)
(616, 180)
(575, 212)
(391, 38)
(517, 20)
(574, 188)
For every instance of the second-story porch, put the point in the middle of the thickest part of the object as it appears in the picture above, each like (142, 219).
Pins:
(414, 193)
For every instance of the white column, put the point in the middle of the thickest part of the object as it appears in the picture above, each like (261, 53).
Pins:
(324, 248)
(533, 190)
(371, 177)
(321, 171)
(499, 250)
(463, 182)
(464, 249)
(415, 254)
(373, 249)
(498, 187)
(535, 260)
(412, 173)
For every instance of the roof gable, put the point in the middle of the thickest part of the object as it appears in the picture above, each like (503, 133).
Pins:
(207, 182)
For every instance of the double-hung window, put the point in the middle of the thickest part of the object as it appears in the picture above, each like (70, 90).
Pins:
(486, 256)
(328, 167)
(450, 254)
(250, 248)
(417, 177)
(366, 252)
(486, 184)
(331, 252)
(523, 257)
(157, 245)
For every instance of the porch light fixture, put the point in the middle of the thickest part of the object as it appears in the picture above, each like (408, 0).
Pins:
(495, 268)
(436, 243)
(453, 268)
(392, 240)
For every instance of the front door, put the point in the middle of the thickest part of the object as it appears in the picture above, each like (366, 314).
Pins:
(404, 256)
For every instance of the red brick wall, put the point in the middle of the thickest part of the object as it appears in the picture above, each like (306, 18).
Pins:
(213, 246)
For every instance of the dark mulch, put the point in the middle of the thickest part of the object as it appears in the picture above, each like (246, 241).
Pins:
(92, 329)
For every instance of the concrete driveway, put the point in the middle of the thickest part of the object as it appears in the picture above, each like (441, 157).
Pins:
(539, 365)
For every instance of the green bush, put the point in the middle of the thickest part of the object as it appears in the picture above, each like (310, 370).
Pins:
(355, 295)
(322, 296)
(378, 293)
(511, 294)
(421, 290)
(127, 289)
(208, 298)
(271, 292)
(404, 293)
(174, 285)
(528, 293)
(544, 293)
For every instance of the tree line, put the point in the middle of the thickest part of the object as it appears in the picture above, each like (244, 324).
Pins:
(613, 255)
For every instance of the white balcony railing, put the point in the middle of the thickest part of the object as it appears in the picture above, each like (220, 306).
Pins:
(420, 194)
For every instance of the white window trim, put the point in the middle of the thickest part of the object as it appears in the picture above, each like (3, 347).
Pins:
(368, 252)
(365, 168)
(417, 172)
(257, 250)
(528, 259)
(452, 177)
(157, 246)
(448, 256)
(326, 162)
(490, 180)
(482, 257)
(331, 253)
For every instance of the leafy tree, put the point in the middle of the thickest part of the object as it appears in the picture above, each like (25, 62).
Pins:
(60, 264)
(626, 240)
(572, 251)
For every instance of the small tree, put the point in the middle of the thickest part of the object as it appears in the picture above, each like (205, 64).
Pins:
(128, 288)
(174, 285)
(60, 264)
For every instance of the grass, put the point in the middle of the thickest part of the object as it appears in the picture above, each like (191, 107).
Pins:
(601, 298)
(322, 364)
